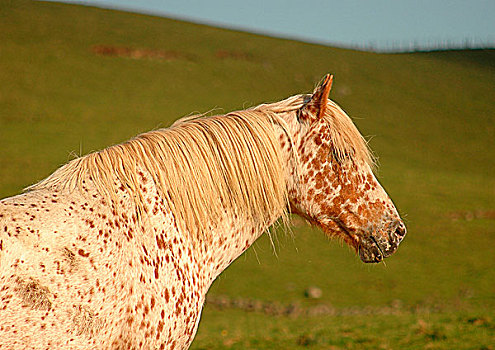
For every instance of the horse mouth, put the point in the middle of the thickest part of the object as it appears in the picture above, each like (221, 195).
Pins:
(372, 247)
(370, 251)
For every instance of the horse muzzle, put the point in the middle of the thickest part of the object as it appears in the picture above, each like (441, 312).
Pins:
(378, 245)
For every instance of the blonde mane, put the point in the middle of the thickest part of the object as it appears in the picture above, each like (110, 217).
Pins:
(347, 141)
(204, 168)
(207, 167)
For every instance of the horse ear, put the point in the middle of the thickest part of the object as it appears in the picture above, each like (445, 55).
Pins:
(318, 103)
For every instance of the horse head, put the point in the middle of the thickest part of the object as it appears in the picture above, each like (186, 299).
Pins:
(333, 185)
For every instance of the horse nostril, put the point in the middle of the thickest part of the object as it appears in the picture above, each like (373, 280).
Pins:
(401, 230)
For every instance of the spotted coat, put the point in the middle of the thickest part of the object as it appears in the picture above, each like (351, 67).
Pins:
(76, 273)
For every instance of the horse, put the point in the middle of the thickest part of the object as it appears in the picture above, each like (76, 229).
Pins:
(117, 249)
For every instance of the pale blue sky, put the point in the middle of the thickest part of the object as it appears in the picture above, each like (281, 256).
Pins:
(380, 24)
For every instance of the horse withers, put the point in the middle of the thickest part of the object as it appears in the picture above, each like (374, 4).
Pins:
(117, 249)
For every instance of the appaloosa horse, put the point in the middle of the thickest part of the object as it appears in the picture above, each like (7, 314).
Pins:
(117, 249)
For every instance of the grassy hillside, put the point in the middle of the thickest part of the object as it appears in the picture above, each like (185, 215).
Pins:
(77, 79)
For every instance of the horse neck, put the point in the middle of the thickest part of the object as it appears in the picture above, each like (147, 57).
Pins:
(233, 237)
(289, 135)
(230, 236)
(235, 234)
(207, 256)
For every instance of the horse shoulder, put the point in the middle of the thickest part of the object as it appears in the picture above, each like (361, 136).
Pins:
(56, 269)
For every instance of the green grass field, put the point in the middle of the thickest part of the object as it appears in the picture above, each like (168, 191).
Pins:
(430, 116)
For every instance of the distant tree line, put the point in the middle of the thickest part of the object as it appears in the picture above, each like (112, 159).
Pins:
(423, 45)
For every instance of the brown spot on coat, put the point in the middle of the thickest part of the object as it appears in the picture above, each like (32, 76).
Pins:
(33, 294)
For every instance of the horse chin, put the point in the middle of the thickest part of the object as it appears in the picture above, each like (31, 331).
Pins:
(370, 248)
(374, 249)
(332, 229)
(370, 253)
